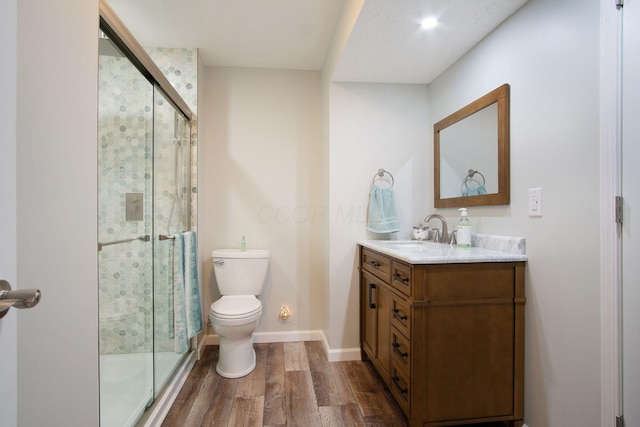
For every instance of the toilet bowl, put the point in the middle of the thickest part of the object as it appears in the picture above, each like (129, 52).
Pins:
(236, 357)
(240, 276)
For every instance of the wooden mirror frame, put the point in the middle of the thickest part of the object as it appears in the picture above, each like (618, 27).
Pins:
(501, 96)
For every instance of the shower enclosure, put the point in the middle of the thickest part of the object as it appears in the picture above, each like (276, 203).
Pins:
(143, 198)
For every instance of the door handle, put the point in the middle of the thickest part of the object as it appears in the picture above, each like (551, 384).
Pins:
(372, 286)
(397, 315)
(20, 298)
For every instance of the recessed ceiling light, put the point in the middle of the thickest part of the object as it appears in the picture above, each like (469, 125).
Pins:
(429, 23)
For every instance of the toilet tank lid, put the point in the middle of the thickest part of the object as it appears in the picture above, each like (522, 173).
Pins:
(236, 253)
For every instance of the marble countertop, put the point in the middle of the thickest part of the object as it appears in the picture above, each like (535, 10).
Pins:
(487, 249)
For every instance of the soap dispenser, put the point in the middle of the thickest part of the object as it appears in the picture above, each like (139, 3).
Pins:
(243, 245)
(463, 230)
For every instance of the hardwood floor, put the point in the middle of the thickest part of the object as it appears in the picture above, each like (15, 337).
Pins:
(293, 385)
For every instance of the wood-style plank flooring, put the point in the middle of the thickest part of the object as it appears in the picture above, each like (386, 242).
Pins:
(293, 384)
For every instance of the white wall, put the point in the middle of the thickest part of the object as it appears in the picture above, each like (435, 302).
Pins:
(348, 17)
(259, 168)
(548, 53)
(372, 126)
(202, 253)
(56, 208)
(8, 324)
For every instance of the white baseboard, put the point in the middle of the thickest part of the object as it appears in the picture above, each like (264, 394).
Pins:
(211, 339)
(202, 343)
(340, 354)
(289, 336)
(333, 355)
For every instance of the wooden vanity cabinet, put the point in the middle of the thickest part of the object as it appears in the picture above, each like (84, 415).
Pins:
(447, 339)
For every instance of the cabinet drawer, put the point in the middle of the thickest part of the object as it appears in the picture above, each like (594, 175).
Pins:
(400, 387)
(401, 277)
(376, 264)
(400, 350)
(491, 280)
(401, 316)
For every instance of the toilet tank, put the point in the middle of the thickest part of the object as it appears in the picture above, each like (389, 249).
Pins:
(240, 272)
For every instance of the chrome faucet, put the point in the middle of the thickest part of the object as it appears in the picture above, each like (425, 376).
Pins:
(444, 236)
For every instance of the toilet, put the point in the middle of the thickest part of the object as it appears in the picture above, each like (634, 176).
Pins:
(240, 276)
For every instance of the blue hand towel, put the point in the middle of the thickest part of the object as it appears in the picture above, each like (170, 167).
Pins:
(383, 212)
(192, 284)
(477, 191)
(186, 290)
(180, 339)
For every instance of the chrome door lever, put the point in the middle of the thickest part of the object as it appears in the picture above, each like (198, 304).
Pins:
(20, 298)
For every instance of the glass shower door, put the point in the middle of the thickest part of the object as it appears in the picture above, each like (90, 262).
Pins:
(125, 252)
(171, 213)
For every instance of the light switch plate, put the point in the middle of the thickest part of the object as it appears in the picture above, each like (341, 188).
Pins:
(535, 201)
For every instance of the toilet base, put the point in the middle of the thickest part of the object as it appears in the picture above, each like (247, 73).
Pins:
(236, 358)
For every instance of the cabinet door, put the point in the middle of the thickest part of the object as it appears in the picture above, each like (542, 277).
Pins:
(376, 306)
(369, 314)
(469, 358)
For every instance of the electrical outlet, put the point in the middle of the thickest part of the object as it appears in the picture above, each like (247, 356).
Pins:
(535, 201)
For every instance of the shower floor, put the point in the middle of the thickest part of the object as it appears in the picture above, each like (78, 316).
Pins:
(126, 385)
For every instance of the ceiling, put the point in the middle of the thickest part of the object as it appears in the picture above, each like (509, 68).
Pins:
(385, 45)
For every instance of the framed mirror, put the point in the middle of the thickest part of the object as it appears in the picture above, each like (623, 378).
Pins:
(471, 153)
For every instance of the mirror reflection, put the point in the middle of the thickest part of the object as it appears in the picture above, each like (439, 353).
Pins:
(472, 153)
(470, 146)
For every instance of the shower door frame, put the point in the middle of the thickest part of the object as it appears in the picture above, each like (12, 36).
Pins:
(136, 53)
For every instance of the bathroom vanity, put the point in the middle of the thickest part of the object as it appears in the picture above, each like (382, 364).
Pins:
(444, 328)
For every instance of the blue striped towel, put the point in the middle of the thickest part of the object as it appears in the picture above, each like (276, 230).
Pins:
(186, 290)
(383, 212)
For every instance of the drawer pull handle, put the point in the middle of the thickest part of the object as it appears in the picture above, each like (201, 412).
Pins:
(396, 349)
(372, 286)
(396, 382)
(374, 264)
(399, 278)
(397, 315)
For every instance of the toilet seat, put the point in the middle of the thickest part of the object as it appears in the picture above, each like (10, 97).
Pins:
(236, 307)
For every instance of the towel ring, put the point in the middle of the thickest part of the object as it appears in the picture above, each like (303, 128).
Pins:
(380, 174)
(470, 178)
